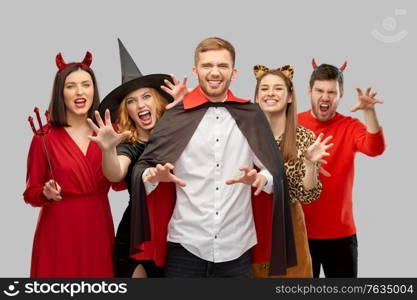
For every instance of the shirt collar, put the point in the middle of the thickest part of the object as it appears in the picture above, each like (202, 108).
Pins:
(196, 98)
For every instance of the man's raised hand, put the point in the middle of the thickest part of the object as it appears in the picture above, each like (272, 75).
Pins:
(366, 101)
(162, 173)
(251, 177)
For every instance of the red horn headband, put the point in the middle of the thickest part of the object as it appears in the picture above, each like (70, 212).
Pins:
(313, 62)
(342, 68)
(61, 64)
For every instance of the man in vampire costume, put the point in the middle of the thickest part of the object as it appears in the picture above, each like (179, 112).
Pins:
(188, 188)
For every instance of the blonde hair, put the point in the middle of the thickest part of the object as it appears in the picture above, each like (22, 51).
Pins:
(288, 143)
(125, 123)
(214, 43)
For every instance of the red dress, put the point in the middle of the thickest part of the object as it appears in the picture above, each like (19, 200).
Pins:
(74, 236)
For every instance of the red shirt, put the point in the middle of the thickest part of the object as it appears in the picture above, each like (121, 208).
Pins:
(331, 216)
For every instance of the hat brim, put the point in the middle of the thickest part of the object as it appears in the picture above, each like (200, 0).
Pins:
(115, 97)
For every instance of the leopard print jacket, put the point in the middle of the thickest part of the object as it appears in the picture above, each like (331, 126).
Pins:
(295, 170)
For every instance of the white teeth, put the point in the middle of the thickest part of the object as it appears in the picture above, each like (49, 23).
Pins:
(324, 105)
(80, 101)
(214, 81)
(272, 101)
(144, 113)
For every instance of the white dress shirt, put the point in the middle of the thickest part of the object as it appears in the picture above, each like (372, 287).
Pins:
(212, 220)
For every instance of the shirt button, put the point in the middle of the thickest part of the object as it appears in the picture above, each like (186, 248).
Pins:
(217, 213)
(215, 236)
(217, 140)
(217, 118)
(217, 165)
(217, 188)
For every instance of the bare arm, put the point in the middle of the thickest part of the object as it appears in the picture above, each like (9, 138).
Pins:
(371, 121)
(114, 166)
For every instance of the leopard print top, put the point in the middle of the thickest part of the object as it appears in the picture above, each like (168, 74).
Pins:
(295, 170)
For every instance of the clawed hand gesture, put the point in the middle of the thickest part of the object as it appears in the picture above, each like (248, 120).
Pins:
(106, 137)
(177, 90)
(162, 173)
(317, 150)
(251, 177)
(366, 101)
(315, 153)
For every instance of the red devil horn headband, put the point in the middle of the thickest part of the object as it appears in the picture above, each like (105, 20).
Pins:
(314, 64)
(343, 67)
(61, 64)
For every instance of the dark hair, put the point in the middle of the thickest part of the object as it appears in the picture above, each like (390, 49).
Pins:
(57, 109)
(288, 143)
(327, 72)
(214, 43)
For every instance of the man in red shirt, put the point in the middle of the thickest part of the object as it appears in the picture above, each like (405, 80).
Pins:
(329, 220)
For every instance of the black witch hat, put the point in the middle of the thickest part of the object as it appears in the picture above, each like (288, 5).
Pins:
(132, 79)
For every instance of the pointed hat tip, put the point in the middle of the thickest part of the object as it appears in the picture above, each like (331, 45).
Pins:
(120, 43)
(129, 69)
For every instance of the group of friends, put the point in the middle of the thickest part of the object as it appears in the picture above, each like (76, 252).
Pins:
(219, 186)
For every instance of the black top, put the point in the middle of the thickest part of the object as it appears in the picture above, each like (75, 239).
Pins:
(133, 151)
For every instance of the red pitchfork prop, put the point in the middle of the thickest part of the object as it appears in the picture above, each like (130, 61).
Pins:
(42, 132)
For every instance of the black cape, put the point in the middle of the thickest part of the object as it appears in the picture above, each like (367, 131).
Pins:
(168, 140)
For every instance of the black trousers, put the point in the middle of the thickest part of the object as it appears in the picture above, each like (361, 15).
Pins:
(182, 264)
(339, 257)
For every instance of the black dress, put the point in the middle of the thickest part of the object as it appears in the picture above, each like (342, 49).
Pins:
(123, 264)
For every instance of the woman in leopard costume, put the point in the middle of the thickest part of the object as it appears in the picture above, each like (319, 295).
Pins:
(301, 151)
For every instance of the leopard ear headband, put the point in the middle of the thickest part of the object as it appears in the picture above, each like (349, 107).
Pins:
(287, 70)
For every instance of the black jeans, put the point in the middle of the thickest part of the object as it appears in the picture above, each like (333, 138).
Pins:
(182, 264)
(339, 257)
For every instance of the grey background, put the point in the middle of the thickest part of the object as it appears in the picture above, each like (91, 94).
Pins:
(162, 35)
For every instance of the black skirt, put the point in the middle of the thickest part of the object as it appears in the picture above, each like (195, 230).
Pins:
(123, 264)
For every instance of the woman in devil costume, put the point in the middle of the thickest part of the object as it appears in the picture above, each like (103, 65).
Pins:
(74, 234)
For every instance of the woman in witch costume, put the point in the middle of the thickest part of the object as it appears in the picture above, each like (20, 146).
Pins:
(74, 233)
(301, 151)
(135, 107)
